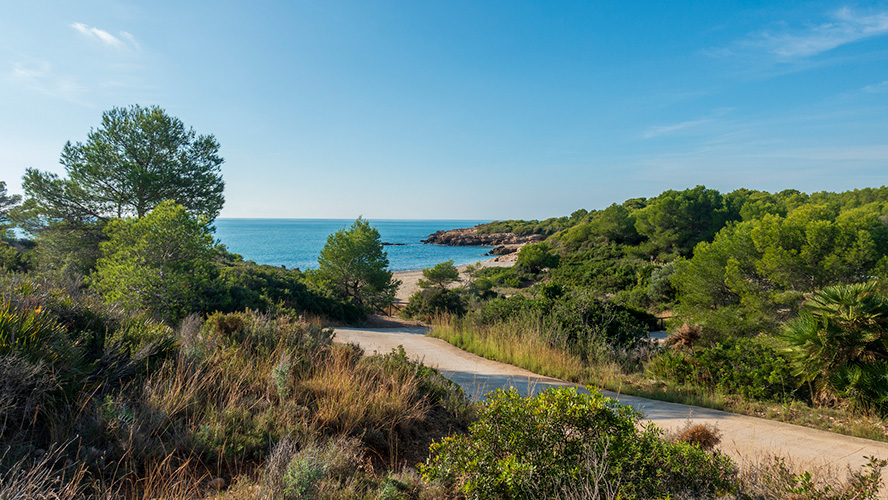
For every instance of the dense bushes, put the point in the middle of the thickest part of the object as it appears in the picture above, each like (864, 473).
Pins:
(574, 320)
(751, 367)
(562, 442)
(431, 302)
(246, 285)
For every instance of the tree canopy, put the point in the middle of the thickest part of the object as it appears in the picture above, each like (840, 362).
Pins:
(160, 262)
(138, 158)
(354, 263)
(441, 275)
(676, 221)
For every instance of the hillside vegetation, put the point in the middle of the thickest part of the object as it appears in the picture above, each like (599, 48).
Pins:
(776, 303)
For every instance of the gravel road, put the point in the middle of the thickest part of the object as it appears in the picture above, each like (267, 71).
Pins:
(743, 437)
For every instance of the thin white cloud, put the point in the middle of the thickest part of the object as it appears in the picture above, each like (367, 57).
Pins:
(876, 88)
(659, 130)
(844, 27)
(125, 40)
(37, 69)
(130, 38)
(39, 76)
(667, 129)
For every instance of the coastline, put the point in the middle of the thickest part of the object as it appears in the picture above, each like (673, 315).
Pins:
(410, 279)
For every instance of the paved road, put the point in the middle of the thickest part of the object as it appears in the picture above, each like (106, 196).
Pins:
(743, 437)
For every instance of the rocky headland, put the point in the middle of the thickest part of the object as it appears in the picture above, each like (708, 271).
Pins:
(471, 237)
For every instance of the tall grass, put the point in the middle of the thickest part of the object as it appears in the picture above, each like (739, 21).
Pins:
(350, 395)
(520, 340)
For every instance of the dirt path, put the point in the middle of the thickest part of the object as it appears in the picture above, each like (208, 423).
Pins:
(743, 437)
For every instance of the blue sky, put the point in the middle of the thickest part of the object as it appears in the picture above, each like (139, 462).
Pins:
(463, 109)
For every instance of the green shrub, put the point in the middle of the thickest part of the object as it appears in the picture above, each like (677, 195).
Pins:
(506, 277)
(534, 447)
(301, 470)
(235, 434)
(32, 333)
(534, 257)
(261, 333)
(750, 367)
(138, 331)
(432, 302)
(246, 285)
(579, 320)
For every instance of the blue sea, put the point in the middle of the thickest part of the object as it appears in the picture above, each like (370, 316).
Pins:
(297, 243)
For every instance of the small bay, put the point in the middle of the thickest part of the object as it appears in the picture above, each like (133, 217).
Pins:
(297, 243)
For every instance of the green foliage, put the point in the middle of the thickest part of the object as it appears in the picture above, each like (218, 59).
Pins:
(533, 447)
(675, 221)
(160, 262)
(235, 434)
(138, 332)
(15, 255)
(579, 321)
(534, 257)
(241, 285)
(575, 321)
(354, 263)
(762, 267)
(525, 228)
(32, 333)
(661, 288)
(302, 478)
(602, 269)
(615, 224)
(432, 302)
(840, 345)
(138, 158)
(489, 277)
(441, 275)
(750, 367)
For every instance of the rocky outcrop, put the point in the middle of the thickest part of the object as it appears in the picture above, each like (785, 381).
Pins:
(471, 237)
(504, 250)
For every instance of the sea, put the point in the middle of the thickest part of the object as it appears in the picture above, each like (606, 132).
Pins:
(297, 243)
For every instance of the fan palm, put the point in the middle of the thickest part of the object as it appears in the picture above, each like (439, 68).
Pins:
(839, 344)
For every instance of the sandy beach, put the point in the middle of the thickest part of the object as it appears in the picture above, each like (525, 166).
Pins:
(410, 279)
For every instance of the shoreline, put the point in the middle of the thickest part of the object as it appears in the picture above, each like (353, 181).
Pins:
(410, 278)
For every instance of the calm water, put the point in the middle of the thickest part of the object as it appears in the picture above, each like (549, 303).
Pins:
(298, 242)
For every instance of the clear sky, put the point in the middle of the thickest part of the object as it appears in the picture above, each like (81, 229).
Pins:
(463, 109)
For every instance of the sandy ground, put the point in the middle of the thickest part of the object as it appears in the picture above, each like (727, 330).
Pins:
(410, 279)
(744, 438)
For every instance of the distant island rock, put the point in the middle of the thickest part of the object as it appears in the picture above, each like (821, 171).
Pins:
(471, 237)
(387, 244)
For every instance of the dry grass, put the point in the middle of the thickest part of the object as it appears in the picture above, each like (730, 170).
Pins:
(349, 395)
(777, 478)
(702, 435)
(685, 336)
(520, 342)
(39, 478)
